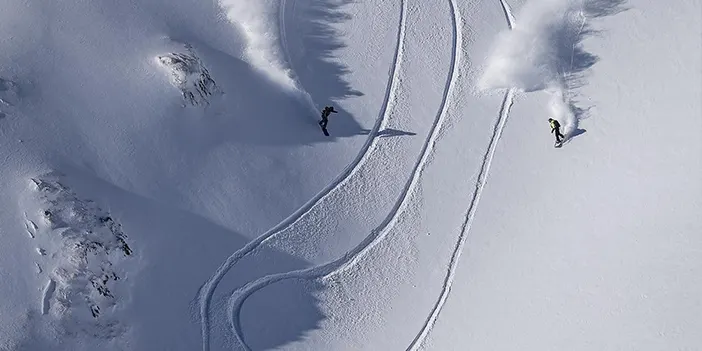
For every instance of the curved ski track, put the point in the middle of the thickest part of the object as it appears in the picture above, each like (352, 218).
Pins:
(283, 31)
(238, 298)
(482, 178)
(207, 289)
(509, 15)
(507, 102)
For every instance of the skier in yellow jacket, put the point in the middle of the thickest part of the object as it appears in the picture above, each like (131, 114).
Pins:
(556, 128)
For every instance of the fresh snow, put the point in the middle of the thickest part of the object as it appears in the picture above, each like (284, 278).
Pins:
(166, 185)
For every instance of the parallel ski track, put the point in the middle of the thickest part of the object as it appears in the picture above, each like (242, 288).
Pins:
(207, 290)
(480, 184)
(507, 102)
(378, 234)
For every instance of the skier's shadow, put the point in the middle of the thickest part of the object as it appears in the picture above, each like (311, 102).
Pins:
(387, 132)
(311, 53)
(576, 132)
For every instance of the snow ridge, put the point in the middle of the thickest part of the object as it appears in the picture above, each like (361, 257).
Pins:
(208, 288)
(377, 235)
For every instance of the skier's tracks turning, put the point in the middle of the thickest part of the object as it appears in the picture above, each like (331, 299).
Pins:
(507, 102)
(351, 257)
(207, 290)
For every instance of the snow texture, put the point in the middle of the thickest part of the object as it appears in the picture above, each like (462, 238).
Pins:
(84, 263)
(166, 185)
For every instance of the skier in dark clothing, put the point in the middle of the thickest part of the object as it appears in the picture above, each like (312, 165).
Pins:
(325, 116)
(556, 128)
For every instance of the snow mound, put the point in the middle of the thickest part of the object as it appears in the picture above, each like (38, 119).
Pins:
(189, 75)
(83, 250)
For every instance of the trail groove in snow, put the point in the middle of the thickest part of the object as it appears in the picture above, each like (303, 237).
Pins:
(509, 15)
(479, 185)
(378, 234)
(208, 288)
(284, 32)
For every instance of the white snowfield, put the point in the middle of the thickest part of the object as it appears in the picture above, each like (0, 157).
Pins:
(165, 185)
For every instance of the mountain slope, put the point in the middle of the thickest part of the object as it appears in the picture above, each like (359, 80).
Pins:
(166, 185)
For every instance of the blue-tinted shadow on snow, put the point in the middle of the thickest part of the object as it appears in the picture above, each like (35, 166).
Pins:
(310, 45)
(280, 313)
(253, 109)
(576, 133)
(177, 251)
(575, 60)
(566, 59)
(388, 132)
(560, 53)
(275, 315)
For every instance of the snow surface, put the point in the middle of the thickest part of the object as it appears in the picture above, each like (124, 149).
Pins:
(166, 187)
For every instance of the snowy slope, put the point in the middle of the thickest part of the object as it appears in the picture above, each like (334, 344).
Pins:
(600, 249)
(166, 186)
(96, 99)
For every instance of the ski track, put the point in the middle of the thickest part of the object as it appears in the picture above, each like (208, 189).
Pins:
(507, 102)
(350, 258)
(284, 33)
(206, 291)
(509, 15)
(480, 184)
